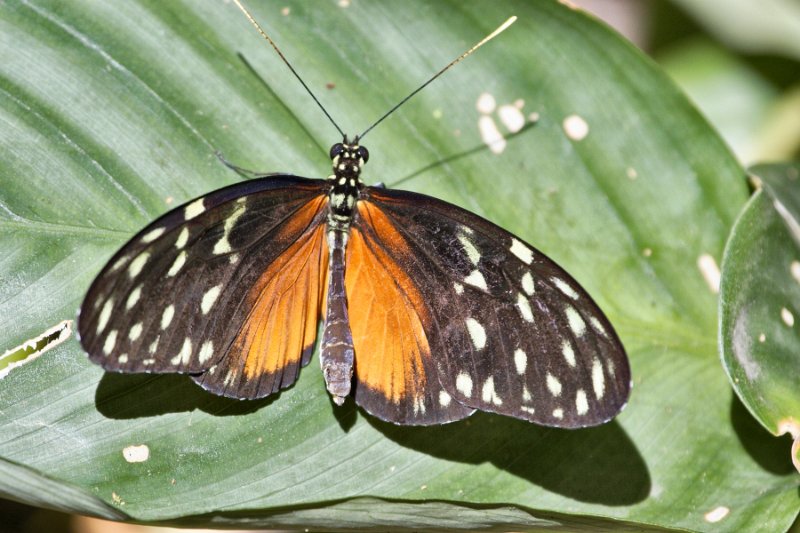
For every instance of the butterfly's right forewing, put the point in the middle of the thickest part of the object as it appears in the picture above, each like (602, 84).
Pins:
(203, 289)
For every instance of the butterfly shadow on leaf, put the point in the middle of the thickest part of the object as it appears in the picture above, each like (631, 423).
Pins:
(127, 396)
(593, 465)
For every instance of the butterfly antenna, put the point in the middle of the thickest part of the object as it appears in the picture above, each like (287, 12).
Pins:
(480, 43)
(278, 50)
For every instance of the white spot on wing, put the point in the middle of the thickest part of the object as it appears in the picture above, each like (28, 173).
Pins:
(444, 398)
(488, 394)
(568, 352)
(598, 379)
(111, 340)
(150, 236)
(459, 288)
(183, 238)
(710, 271)
(105, 314)
(137, 265)
(177, 264)
(193, 209)
(472, 252)
(576, 323)
(520, 361)
(564, 288)
(527, 409)
(118, 263)
(136, 453)
(553, 385)
(183, 356)
(209, 298)
(419, 405)
(476, 279)
(558, 413)
(133, 298)
(135, 331)
(206, 351)
(527, 284)
(524, 253)
(526, 394)
(223, 246)
(524, 307)
(464, 384)
(575, 127)
(166, 316)
(598, 326)
(581, 403)
(476, 333)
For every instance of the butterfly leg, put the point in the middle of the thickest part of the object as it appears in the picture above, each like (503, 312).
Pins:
(337, 353)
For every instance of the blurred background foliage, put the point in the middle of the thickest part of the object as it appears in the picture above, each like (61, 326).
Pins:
(737, 60)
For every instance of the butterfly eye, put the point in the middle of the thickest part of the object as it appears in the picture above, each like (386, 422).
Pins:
(363, 153)
(337, 149)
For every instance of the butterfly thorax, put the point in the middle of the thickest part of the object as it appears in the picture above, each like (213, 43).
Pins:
(347, 158)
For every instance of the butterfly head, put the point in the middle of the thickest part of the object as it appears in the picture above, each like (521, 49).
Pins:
(348, 158)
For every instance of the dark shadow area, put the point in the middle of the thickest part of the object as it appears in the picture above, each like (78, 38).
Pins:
(346, 414)
(23, 518)
(593, 465)
(773, 454)
(125, 396)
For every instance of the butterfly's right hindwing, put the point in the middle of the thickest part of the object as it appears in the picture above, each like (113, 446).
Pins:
(194, 292)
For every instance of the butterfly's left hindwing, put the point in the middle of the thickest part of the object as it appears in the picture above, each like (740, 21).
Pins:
(509, 330)
(202, 290)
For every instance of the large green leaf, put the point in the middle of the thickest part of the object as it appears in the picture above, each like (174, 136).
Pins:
(759, 300)
(111, 113)
(768, 26)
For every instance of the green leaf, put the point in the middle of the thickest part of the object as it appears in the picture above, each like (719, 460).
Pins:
(111, 114)
(759, 300)
(718, 81)
(769, 26)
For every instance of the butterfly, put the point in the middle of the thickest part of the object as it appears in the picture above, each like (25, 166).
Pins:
(429, 311)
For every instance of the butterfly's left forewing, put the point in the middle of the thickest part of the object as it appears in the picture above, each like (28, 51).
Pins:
(510, 331)
(226, 288)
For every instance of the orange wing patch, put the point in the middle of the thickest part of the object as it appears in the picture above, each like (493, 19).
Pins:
(387, 313)
(285, 302)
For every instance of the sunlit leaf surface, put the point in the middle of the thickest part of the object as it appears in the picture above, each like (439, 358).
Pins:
(111, 114)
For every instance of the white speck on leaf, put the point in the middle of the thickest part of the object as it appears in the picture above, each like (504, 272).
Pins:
(136, 453)
(716, 514)
(710, 271)
(575, 127)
